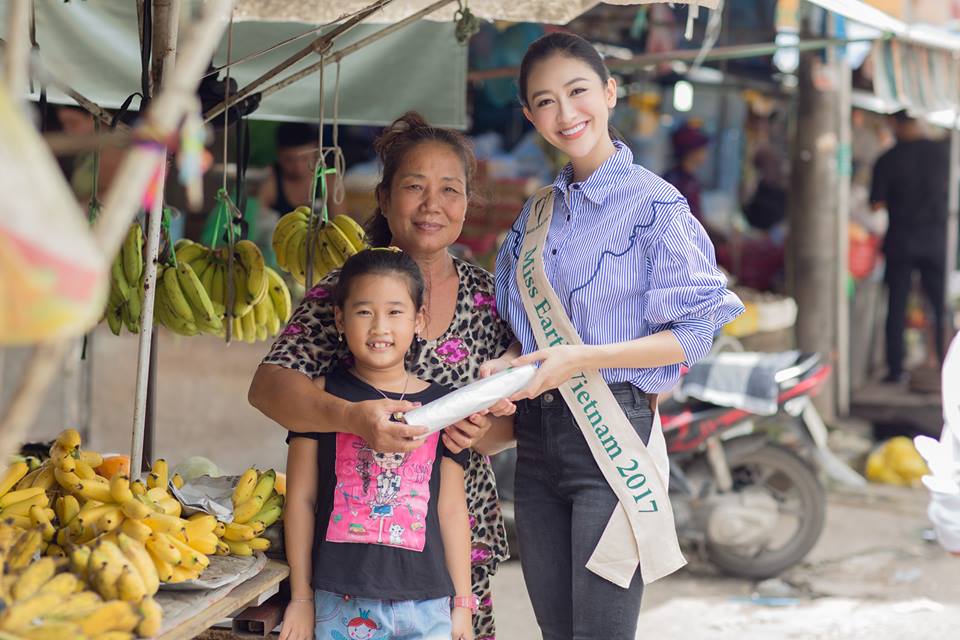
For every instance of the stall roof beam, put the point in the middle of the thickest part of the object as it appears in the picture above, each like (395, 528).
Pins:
(868, 15)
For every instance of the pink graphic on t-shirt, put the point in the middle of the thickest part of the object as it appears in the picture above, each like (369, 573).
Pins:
(381, 498)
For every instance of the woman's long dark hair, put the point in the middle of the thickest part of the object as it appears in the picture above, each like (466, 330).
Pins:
(382, 261)
(393, 145)
(564, 44)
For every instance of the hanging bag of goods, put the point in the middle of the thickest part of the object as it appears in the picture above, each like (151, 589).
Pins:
(53, 280)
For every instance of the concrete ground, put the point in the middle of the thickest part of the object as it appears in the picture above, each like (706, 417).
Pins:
(871, 575)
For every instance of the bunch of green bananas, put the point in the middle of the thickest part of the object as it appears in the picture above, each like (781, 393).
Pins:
(256, 505)
(336, 241)
(126, 284)
(193, 299)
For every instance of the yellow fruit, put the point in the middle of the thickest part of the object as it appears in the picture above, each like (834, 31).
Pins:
(259, 544)
(135, 529)
(151, 616)
(246, 510)
(33, 578)
(111, 616)
(239, 548)
(12, 476)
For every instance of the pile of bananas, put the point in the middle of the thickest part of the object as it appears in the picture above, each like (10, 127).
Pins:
(192, 298)
(126, 284)
(42, 599)
(256, 506)
(90, 565)
(336, 241)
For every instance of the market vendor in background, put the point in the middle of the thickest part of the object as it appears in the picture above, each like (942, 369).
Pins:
(291, 177)
(690, 153)
(427, 182)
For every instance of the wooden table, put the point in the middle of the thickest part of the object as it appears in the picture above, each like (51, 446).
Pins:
(213, 606)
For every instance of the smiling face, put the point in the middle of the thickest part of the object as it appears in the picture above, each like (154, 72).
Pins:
(389, 461)
(427, 201)
(569, 104)
(379, 320)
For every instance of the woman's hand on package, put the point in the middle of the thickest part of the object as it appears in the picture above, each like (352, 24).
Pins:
(298, 621)
(372, 421)
(466, 433)
(557, 365)
(462, 623)
(503, 407)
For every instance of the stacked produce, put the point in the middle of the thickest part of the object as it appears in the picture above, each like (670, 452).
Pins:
(90, 565)
(256, 506)
(43, 599)
(126, 284)
(192, 297)
(335, 241)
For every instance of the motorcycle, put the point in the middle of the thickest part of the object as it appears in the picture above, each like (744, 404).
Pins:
(745, 488)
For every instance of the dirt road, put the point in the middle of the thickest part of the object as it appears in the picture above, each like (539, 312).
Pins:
(872, 575)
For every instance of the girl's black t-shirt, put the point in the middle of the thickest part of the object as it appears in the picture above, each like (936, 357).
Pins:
(377, 532)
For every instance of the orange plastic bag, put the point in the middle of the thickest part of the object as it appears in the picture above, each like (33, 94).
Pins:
(53, 280)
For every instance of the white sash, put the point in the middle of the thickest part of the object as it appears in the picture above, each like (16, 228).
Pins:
(641, 528)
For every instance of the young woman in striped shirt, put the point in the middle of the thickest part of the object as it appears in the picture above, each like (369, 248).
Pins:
(636, 275)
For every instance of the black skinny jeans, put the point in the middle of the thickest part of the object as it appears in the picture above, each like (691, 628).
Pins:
(563, 503)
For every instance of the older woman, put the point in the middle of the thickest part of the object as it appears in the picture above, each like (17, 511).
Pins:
(423, 195)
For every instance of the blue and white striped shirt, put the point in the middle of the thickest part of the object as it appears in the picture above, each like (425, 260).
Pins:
(627, 260)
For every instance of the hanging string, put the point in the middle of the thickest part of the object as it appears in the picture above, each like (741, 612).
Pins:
(165, 230)
(223, 197)
(339, 162)
(93, 206)
(315, 222)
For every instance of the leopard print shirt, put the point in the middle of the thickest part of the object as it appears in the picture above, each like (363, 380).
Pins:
(309, 345)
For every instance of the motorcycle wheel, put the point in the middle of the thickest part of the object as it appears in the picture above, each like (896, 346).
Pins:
(781, 473)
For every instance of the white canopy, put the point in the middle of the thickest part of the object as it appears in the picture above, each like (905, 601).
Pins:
(548, 11)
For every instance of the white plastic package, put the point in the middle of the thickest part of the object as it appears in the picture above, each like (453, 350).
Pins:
(470, 399)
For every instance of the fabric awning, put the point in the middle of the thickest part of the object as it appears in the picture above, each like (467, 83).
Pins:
(93, 46)
(321, 11)
(914, 66)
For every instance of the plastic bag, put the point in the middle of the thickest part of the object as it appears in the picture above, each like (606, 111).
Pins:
(470, 399)
(52, 274)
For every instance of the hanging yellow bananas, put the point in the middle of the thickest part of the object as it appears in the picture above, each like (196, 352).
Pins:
(336, 241)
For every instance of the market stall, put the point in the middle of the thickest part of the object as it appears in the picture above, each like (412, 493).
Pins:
(119, 541)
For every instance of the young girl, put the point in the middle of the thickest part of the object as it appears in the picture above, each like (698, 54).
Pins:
(377, 542)
(610, 284)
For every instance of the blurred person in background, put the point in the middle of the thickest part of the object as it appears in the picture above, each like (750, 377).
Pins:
(291, 177)
(910, 181)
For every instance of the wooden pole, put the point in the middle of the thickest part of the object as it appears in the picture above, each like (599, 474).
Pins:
(953, 220)
(319, 45)
(812, 248)
(163, 117)
(166, 22)
(844, 302)
(17, 58)
(146, 328)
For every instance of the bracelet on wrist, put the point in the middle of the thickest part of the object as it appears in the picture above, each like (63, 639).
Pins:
(471, 602)
(301, 599)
